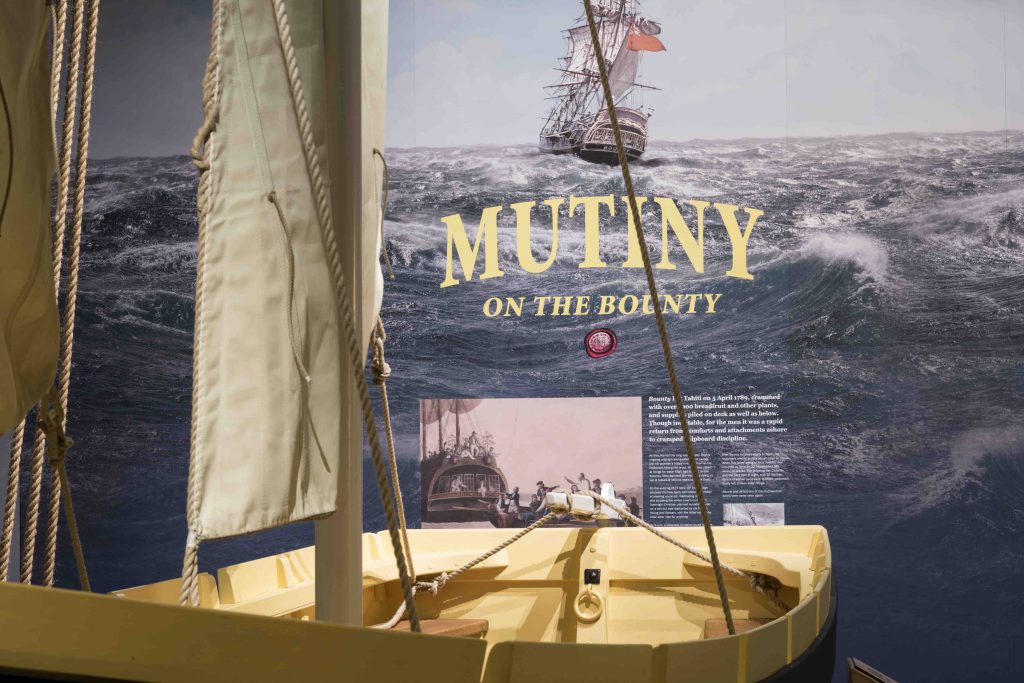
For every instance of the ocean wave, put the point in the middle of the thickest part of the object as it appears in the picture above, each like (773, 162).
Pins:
(866, 254)
(977, 459)
(160, 257)
(162, 311)
(991, 220)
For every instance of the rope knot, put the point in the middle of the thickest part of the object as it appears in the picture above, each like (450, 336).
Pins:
(381, 372)
(50, 423)
(769, 587)
(381, 369)
(437, 584)
(198, 160)
(59, 452)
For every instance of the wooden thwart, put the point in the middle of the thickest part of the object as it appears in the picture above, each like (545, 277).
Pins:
(466, 628)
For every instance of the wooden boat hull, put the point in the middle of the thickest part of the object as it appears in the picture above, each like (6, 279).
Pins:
(606, 154)
(596, 142)
(818, 662)
(653, 626)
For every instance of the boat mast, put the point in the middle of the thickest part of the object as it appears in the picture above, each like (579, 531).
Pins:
(339, 536)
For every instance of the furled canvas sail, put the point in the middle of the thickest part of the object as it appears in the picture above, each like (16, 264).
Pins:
(28, 312)
(270, 361)
(374, 52)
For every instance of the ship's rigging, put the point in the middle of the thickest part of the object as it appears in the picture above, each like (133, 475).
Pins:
(576, 122)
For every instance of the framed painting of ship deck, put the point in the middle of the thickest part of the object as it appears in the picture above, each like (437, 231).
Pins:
(831, 195)
(545, 444)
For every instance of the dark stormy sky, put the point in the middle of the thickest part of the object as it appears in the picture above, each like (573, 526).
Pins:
(150, 57)
(771, 68)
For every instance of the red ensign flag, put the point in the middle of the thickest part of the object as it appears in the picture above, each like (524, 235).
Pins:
(639, 41)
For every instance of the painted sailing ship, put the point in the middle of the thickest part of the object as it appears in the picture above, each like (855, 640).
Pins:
(578, 122)
(460, 481)
(281, 404)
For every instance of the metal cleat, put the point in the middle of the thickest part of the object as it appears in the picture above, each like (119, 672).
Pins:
(557, 501)
(606, 511)
(583, 507)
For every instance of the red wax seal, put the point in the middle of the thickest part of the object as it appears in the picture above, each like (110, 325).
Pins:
(600, 342)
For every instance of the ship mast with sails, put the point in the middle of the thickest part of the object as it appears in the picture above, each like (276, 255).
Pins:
(577, 122)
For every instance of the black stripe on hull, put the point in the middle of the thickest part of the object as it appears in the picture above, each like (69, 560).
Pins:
(605, 154)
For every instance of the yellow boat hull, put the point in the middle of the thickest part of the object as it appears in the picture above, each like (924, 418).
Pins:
(529, 612)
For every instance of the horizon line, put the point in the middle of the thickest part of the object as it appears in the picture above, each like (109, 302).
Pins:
(783, 138)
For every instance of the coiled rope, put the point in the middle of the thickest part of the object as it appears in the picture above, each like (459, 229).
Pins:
(659, 317)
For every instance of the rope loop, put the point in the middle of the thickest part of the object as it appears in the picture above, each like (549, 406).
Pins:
(381, 373)
(383, 210)
(51, 422)
(380, 367)
(437, 584)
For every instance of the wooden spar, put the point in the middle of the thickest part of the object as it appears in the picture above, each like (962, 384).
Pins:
(339, 536)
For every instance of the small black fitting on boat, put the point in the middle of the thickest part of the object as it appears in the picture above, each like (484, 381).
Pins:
(591, 576)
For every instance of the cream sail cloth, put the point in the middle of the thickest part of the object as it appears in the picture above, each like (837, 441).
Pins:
(267, 444)
(29, 330)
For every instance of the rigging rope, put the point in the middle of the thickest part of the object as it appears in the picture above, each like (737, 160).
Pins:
(58, 19)
(659, 317)
(766, 585)
(443, 578)
(11, 502)
(763, 584)
(189, 594)
(59, 488)
(381, 372)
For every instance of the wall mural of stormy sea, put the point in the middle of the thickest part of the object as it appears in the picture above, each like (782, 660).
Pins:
(887, 309)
